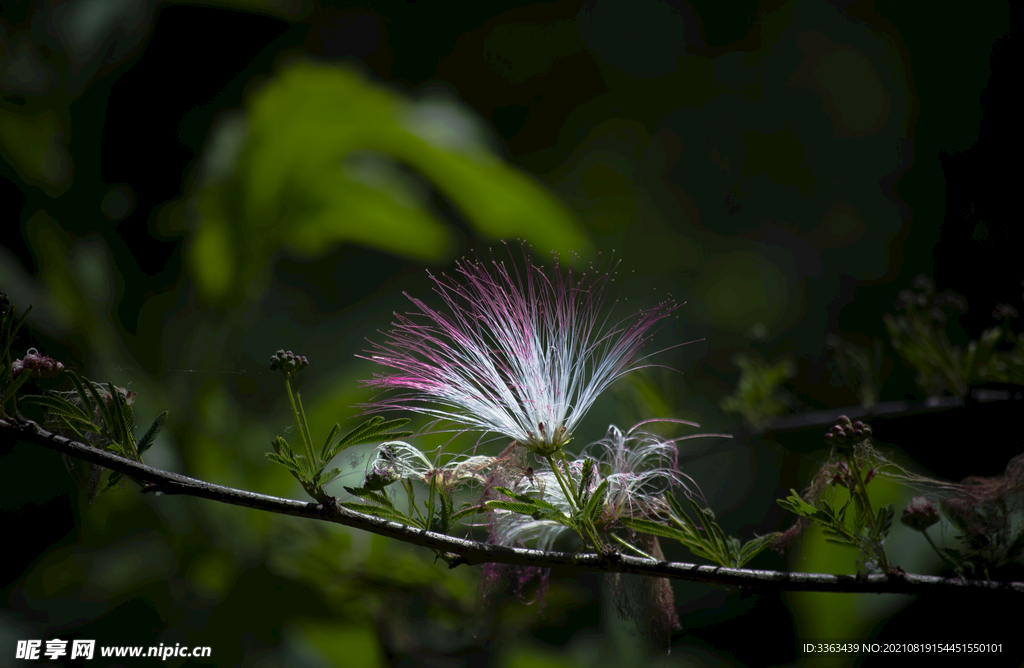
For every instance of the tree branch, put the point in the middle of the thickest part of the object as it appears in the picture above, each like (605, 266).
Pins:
(473, 552)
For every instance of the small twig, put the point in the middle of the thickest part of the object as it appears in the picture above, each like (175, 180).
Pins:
(473, 553)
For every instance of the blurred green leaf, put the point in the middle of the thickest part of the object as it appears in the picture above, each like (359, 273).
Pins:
(330, 157)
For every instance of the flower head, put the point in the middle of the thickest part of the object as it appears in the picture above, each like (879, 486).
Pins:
(397, 460)
(523, 353)
(641, 468)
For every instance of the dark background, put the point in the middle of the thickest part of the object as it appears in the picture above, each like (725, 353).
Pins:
(788, 164)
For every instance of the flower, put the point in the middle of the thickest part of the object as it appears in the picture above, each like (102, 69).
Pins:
(523, 353)
(640, 468)
(396, 460)
(920, 513)
(37, 365)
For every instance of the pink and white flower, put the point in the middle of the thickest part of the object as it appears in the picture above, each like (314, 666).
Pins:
(522, 353)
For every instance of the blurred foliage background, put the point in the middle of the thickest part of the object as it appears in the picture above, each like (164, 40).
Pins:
(192, 186)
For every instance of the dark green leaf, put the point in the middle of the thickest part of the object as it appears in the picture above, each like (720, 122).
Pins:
(13, 387)
(632, 547)
(754, 547)
(329, 476)
(596, 502)
(82, 394)
(146, 442)
(733, 545)
(58, 405)
(378, 498)
(466, 512)
(513, 506)
(586, 478)
(798, 506)
(288, 463)
(713, 537)
(326, 450)
(374, 430)
(11, 328)
(656, 529)
(382, 513)
(112, 481)
(885, 515)
(525, 498)
(101, 405)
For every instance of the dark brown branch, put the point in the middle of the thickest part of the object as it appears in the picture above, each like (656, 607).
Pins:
(472, 552)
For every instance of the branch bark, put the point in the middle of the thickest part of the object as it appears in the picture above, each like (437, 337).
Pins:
(472, 552)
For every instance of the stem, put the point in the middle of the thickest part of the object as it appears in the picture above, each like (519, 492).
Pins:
(942, 553)
(430, 504)
(472, 552)
(588, 531)
(303, 433)
(561, 483)
(866, 501)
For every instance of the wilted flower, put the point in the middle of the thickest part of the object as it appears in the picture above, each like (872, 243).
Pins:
(520, 353)
(920, 513)
(396, 460)
(640, 468)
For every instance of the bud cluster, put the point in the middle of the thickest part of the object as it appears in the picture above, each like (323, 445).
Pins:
(1004, 312)
(288, 362)
(845, 431)
(923, 298)
(38, 365)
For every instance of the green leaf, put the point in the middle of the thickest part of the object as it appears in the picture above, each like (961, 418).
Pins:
(586, 478)
(326, 450)
(715, 538)
(754, 547)
(11, 327)
(466, 512)
(100, 405)
(374, 430)
(656, 529)
(146, 442)
(288, 463)
(596, 502)
(112, 481)
(513, 506)
(57, 405)
(82, 394)
(13, 387)
(525, 498)
(378, 498)
(329, 476)
(885, 515)
(630, 546)
(798, 506)
(447, 511)
(733, 545)
(283, 448)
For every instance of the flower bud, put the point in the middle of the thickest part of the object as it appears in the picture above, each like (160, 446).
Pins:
(288, 362)
(920, 513)
(1004, 311)
(923, 283)
(380, 477)
(36, 364)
